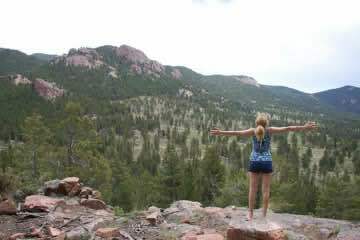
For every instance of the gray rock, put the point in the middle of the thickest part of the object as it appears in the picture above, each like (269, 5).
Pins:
(78, 233)
(295, 236)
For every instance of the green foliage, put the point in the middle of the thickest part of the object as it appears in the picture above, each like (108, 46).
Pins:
(171, 174)
(13, 61)
(338, 199)
(118, 211)
(93, 133)
(235, 190)
(213, 175)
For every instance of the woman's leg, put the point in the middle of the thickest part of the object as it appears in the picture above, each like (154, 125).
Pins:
(253, 184)
(266, 179)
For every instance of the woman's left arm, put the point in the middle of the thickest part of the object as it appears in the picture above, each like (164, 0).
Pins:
(245, 133)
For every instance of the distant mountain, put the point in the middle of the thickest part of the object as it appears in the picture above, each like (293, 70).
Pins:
(346, 98)
(111, 73)
(44, 57)
(13, 61)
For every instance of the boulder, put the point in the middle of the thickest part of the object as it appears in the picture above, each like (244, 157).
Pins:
(53, 187)
(85, 192)
(47, 90)
(256, 232)
(93, 203)
(186, 205)
(54, 232)
(69, 186)
(17, 236)
(96, 194)
(7, 207)
(77, 233)
(71, 180)
(108, 232)
(211, 236)
(75, 190)
(41, 203)
(153, 218)
(35, 232)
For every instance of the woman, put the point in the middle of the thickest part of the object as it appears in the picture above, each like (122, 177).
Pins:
(260, 164)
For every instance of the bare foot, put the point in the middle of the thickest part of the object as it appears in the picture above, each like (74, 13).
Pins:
(249, 216)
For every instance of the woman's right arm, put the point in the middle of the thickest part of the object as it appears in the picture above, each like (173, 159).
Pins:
(307, 126)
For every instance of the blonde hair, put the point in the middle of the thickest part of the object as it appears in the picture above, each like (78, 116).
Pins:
(261, 122)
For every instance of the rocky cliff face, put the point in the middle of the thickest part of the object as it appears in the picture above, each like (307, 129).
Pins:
(66, 209)
(247, 80)
(47, 90)
(137, 61)
(20, 79)
(83, 57)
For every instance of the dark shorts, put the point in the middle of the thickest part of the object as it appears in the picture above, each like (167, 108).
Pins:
(260, 166)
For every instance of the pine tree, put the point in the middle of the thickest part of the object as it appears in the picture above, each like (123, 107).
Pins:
(36, 135)
(213, 175)
(171, 174)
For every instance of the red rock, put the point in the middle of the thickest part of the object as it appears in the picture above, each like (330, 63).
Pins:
(136, 69)
(47, 90)
(7, 207)
(60, 237)
(185, 220)
(176, 73)
(54, 232)
(35, 232)
(189, 237)
(75, 190)
(255, 234)
(213, 210)
(93, 203)
(41, 203)
(108, 232)
(211, 236)
(17, 236)
(130, 54)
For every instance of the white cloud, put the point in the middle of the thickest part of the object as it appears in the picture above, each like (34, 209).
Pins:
(274, 41)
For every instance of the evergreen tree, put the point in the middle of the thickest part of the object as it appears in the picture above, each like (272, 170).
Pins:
(171, 174)
(213, 175)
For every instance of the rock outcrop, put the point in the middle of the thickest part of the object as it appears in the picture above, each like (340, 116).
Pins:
(139, 62)
(7, 207)
(61, 216)
(19, 79)
(39, 203)
(83, 57)
(47, 90)
(136, 60)
(247, 80)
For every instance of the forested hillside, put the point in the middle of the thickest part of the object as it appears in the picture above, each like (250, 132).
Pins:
(138, 131)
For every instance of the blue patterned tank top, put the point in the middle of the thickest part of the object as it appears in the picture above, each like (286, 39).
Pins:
(261, 149)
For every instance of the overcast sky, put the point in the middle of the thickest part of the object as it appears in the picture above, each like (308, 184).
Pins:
(310, 45)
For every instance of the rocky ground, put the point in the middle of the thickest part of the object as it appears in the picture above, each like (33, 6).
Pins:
(65, 209)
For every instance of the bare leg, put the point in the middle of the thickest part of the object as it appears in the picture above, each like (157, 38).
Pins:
(266, 180)
(253, 184)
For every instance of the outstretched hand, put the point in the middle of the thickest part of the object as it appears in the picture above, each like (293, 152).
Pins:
(215, 131)
(310, 126)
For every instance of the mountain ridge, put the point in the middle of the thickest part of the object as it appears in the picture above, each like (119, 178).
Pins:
(49, 57)
(118, 62)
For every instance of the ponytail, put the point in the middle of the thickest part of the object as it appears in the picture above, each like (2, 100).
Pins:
(259, 133)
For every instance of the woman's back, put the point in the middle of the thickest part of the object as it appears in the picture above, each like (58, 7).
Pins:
(261, 149)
